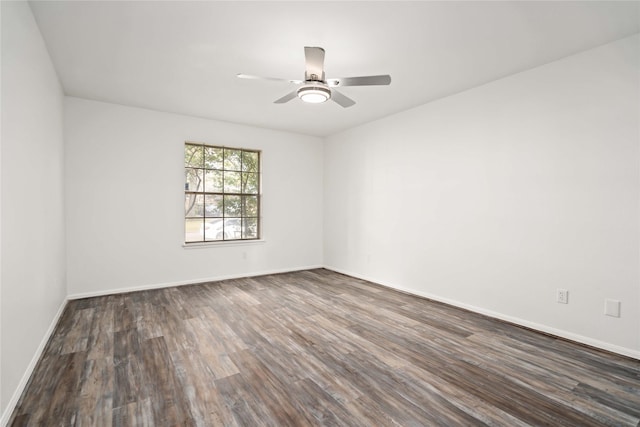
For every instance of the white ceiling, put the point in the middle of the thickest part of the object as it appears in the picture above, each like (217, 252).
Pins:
(182, 57)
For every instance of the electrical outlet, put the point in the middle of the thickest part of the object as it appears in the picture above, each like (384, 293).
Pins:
(562, 296)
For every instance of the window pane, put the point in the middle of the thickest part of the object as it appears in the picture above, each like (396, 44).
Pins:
(192, 179)
(213, 229)
(193, 230)
(213, 157)
(249, 161)
(213, 206)
(232, 159)
(213, 181)
(250, 228)
(193, 205)
(250, 183)
(193, 155)
(232, 228)
(232, 182)
(232, 206)
(250, 207)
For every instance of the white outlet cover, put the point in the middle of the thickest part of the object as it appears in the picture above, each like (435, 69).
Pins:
(612, 307)
(562, 296)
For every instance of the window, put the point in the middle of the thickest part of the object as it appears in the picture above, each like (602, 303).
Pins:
(221, 193)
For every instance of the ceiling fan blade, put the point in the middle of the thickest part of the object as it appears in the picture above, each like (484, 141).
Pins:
(384, 79)
(288, 97)
(314, 59)
(341, 99)
(275, 79)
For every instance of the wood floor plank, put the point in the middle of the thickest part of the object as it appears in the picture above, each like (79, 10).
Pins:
(128, 383)
(269, 390)
(311, 399)
(244, 408)
(125, 319)
(95, 403)
(78, 336)
(100, 342)
(139, 413)
(59, 390)
(197, 381)
(159, 375)
(313, 348)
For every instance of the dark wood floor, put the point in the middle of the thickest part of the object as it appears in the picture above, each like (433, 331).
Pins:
(313, 348)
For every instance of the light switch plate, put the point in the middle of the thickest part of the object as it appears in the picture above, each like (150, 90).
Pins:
(612, 307)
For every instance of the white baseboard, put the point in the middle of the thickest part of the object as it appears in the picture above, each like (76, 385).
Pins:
(187, 282)
(32, 365)
(515, 320)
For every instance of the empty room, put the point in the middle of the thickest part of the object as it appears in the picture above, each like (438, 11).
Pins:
(359, 213)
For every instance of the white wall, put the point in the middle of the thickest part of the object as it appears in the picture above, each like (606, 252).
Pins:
(495, 197)
(33, 246)
(125, 199)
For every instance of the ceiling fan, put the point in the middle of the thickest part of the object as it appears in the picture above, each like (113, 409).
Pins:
(315, 88)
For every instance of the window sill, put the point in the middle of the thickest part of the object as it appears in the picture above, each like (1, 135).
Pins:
(216, 244)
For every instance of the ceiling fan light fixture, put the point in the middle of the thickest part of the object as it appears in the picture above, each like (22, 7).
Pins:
(314, 93)
(315, 88)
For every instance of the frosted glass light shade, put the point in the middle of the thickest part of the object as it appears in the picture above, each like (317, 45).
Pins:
(314, 94)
